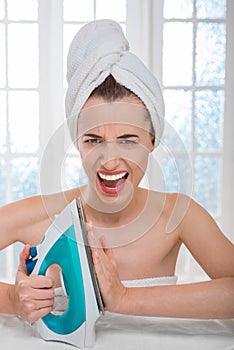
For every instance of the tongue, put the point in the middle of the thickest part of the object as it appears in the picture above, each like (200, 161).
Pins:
(112, 184)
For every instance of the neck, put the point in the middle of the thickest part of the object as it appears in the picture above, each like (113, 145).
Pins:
(114, 213)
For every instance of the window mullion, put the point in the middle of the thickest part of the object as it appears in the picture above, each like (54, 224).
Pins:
(193, 151)
(157, 39)
(51, 92)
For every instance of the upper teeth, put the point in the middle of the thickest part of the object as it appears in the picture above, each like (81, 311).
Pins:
(112, 177)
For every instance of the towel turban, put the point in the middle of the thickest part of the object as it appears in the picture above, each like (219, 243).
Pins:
(98, 50)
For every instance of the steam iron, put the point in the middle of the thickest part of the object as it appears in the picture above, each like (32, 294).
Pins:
(65, 243)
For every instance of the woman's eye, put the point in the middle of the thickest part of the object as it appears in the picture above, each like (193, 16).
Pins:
(127, 142)
(93, 141)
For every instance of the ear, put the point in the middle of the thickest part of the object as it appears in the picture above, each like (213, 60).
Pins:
(154, 142)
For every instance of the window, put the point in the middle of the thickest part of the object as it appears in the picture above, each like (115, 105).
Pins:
(191, 56)
(19, 99)
(194, 46)
(194, 52)
(19, 107)
(75, 16)
(183, 42)
(34, 40)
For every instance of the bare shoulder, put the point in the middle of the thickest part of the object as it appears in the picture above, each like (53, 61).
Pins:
(17, 216)
(26, 220)
(56, 202)
(197, 229)
(172, 208)
(207, 243)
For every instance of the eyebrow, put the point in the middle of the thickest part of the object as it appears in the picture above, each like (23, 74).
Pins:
(127, 136)
(124, 136)
(93, 135)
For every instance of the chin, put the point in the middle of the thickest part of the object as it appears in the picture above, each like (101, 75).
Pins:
(111, 200)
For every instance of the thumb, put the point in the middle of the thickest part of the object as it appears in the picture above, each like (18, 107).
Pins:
(24, 255)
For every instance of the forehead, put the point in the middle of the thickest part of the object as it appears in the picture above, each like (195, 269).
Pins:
(113, 114)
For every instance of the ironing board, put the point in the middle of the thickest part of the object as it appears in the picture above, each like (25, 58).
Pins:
(114, 331)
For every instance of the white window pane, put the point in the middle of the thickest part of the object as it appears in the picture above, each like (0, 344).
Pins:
(2, 9)
(2, 57)
(23, 121)
(24, 177)
(178, 111)
(23, 55)
(177, 175)
(113, 9)
(2, 182)
(208, 183)
(210, 54)
(2, 121)
(69, 31)
(73, 174)
(177, 54)
(78, 10)
(22, 10)
(209, 109)
(178, 9)
(211, 9)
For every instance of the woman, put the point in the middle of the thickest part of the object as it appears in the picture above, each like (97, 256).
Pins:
(115, 116)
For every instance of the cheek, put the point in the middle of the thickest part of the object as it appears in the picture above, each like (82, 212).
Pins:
(140, 157)
(90, 158)
(139, 162)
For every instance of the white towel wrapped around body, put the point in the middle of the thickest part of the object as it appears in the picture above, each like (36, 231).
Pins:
(98, 50)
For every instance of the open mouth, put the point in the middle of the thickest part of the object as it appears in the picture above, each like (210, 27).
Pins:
(112, 183)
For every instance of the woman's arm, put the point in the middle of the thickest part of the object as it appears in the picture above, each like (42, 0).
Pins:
(208, 245)
(26, 220)
(211, 299)
(205, 300)
(31, 297)
(23, 221)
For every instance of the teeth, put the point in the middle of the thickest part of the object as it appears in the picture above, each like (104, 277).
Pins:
(112, 177)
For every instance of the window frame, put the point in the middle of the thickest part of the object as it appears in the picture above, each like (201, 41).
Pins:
(144, 25)
(152, 31)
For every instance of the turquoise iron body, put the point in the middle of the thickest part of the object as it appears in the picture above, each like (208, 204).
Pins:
(65, 243)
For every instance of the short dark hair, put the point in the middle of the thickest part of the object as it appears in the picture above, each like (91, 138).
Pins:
(110, 90)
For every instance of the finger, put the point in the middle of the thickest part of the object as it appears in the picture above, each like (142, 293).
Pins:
(108, 251)
(37, 314)
(42, 294)
(42, 304)
(102, 240)
(98, 264)
(98, 254)
(41, 281)
(93, 241)
(44, 311)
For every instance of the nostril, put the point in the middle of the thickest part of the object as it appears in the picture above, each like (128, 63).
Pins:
(110, 164)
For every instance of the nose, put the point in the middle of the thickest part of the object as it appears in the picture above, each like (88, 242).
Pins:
(110, 158)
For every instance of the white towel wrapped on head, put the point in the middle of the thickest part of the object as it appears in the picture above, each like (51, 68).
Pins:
(98, 50)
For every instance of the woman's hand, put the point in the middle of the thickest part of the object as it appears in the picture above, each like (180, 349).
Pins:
(32, 296)
(113, 292)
